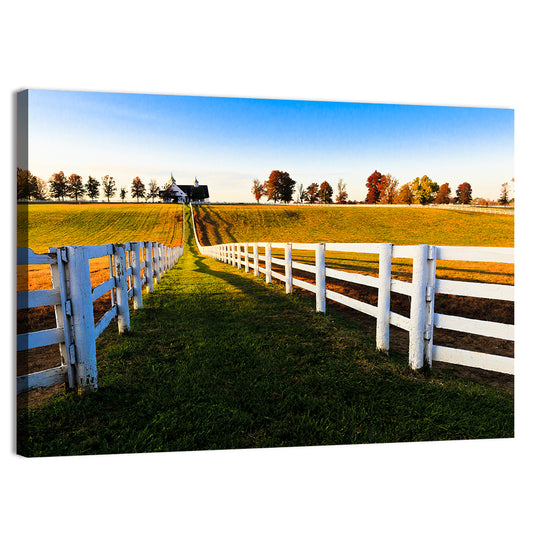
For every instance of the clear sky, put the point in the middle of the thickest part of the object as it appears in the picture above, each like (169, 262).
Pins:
(227, 142)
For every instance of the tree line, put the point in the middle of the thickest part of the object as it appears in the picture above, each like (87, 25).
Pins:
(59, 187)
(280, 187)
(385, 189)
(382, 189)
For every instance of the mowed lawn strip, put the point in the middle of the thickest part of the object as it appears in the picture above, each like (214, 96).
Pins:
(218, 360)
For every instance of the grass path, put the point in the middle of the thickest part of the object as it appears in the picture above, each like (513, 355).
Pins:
(218, 360)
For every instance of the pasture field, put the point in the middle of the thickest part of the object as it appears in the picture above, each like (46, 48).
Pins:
(41, 226)
(401, 226)
(216, 359)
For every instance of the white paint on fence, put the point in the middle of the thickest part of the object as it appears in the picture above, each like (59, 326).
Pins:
(384, 290)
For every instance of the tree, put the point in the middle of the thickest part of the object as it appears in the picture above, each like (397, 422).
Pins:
(342, 195)
(405, 195)
(424, 190)
(92, 187)
(373, 183)
(41, 189)
(75, 187)
(279, 186)
(325, 193)
(504, 194)
(138, 189)
(312, 193)
(258, 189)
(166, 195)
(443, 196)
(388, 189)
(464, 193)
(122, 193)
(26, 184)
(301, 195)
(109, 186)
(153, 190)
(58, 185)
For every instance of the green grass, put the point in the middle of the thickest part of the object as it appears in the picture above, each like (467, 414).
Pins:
(399, 225)
(40, 226)
(219, 360)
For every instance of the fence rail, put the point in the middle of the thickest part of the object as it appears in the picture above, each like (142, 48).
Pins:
(422, 289)
(132, 266)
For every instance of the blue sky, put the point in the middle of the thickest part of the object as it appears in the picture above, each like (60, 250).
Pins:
(227, 142)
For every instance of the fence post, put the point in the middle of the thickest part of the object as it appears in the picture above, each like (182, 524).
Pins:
(59, 281)
(238, 251)
(159, 262)
(418, 307)
(123, 311)
(81, 298)
(136, 275)
(155, 252)
(320, 262)
(431, 268)
(383, 316)
(149, 267)
(256, 259)
(268, 262)
(111, 275)
(246, 259)
(288, 268)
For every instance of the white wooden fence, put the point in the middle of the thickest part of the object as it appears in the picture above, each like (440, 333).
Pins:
(131, 265)
(421, 290)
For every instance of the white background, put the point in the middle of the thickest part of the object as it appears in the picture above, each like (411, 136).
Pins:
(448, 53)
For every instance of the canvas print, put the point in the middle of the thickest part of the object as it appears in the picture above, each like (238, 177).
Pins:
(201, 273)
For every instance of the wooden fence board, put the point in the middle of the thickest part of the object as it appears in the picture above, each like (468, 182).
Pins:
(304, 285)
(104, 287)
(37, 339)
(492, 291)
(495, 363)
(477, 327)
(29, 299)
(44, 378)
(26, 256)
(302, 266)
(99, 250)
(401, 287)
(105, 321)
(399, 321)
(352, 303)
(352, 277)
(356, 248)
(475, 253)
